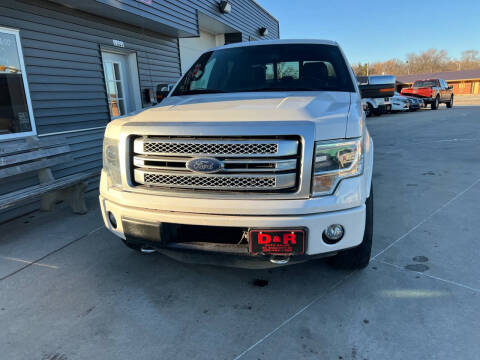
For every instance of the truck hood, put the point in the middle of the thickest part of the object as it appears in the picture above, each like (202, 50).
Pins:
(328, 111)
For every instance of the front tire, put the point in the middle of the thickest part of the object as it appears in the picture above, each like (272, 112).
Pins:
(450, 103)
(435, 103)
(369, 110)
(358, 257)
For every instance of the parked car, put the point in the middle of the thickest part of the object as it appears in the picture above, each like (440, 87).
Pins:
(259, 156)
(399, 102)
(432, 91)
(414, 104)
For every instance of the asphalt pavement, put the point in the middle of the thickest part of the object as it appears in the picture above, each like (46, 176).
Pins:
(70, 290)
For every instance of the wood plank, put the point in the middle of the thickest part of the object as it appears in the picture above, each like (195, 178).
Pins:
(35, 165)
(33, 155)
(30, 143)
(35, 191)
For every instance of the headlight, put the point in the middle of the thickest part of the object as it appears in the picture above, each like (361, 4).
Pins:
(111, 161)
(335, 161)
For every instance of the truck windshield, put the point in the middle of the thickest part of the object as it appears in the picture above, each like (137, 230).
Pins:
(285, 67)
(426, 83)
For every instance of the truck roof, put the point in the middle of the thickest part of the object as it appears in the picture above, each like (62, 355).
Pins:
(277, 42)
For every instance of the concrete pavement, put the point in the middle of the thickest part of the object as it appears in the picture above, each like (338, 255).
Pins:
(71, 290)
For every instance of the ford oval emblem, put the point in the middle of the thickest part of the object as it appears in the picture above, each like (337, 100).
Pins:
(204, 165)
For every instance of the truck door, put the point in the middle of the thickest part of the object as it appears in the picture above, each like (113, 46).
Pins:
(444, 90)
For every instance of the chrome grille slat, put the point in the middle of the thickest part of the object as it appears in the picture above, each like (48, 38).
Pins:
(214, 147)
(229, 182)
(203, 149)
(232, 165)
(259, 165)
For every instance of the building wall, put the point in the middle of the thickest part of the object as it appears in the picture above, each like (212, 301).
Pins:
(246, 16)
(178, 14)
(468, 87)
(63, 63)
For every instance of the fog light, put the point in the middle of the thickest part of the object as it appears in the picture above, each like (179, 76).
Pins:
(112, 220)
(333, 234)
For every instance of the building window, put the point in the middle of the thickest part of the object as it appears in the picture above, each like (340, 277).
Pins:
(16, 117)
(115, 88)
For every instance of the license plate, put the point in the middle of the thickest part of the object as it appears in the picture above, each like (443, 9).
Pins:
(277, 242)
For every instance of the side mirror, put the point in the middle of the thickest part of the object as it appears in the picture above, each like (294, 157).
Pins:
(163, 90)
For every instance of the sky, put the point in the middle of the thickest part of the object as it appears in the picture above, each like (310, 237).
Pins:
(373, 30)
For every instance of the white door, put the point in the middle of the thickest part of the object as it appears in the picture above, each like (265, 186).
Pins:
(120, 82)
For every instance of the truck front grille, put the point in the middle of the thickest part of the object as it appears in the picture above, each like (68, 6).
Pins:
(253, 165)
(221, 148)
(212, 182)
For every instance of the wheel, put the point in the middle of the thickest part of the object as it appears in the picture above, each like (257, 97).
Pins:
(369, 110)
(450, 103)
(377, 112)
(436, 103)
(139, 248)
(358, 257)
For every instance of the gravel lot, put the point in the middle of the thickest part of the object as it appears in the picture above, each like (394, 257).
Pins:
(86, 296)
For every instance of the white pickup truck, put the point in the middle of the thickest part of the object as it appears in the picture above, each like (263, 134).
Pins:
(259, 156)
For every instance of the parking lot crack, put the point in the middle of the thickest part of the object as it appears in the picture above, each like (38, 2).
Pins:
(431, 276)
(39, 260)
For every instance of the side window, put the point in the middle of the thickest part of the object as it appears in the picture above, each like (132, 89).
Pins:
(288, 70)
(269, 72)
(16, 116)
(201, 76)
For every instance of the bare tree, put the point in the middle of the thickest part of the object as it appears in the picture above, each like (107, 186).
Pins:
(429, 61)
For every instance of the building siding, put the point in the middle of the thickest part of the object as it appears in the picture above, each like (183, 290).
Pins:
(173, 13)
(246, 16)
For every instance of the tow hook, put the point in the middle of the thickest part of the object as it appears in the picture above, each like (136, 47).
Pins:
(147, 250)
(280, 260)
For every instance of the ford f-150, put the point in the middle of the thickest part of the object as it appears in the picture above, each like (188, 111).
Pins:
(258, 156)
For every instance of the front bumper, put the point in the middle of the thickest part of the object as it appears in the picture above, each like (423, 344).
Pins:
(147, 221)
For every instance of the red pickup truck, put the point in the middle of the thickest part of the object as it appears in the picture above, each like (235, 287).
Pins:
(432, 91)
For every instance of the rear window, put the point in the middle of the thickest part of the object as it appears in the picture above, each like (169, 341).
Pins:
(285, 67)
(425, 83)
